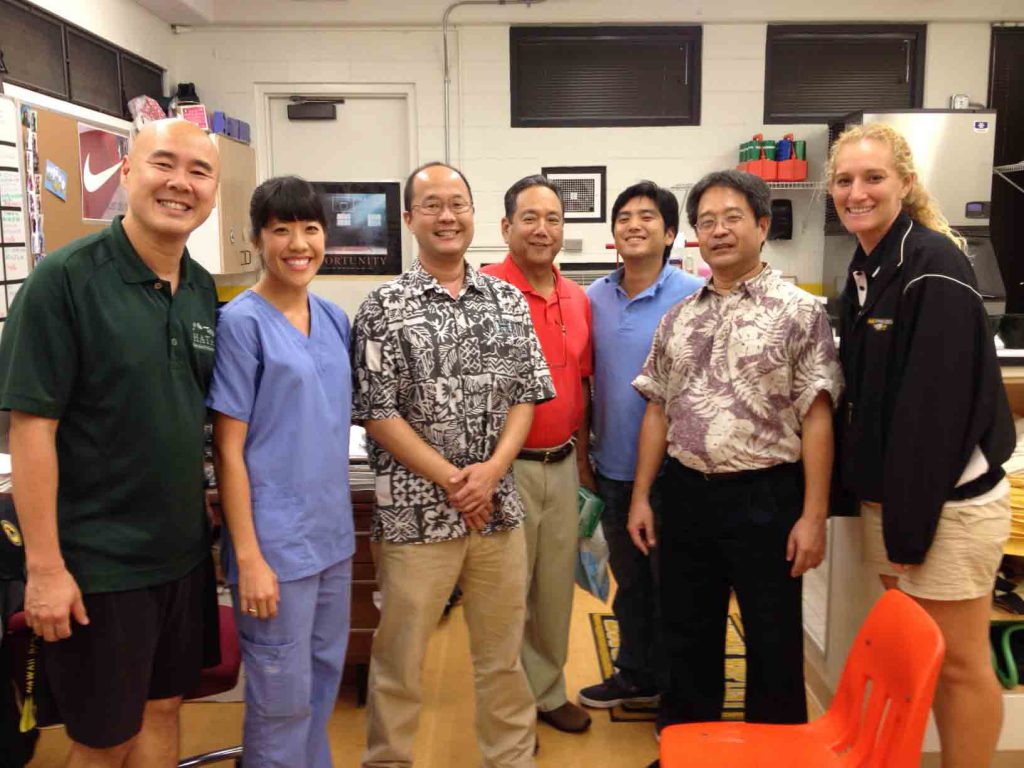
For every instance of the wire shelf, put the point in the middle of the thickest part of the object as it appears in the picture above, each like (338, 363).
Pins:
(771, 185)
(1015, 168)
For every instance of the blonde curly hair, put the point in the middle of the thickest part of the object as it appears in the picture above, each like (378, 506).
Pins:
(918, 204)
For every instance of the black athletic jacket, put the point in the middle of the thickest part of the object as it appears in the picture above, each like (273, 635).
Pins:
(923, 385)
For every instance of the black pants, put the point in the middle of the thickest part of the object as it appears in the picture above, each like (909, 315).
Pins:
(636, 579)
(719, 535)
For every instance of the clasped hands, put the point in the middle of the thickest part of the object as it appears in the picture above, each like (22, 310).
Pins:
(471, 491)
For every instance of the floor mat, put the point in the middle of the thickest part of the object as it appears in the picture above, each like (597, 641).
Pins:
(606, 641)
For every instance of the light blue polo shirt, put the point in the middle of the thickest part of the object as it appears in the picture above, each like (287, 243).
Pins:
(623, 329)
(295, 393)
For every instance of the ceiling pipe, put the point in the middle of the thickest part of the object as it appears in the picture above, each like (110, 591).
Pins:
(447, 67)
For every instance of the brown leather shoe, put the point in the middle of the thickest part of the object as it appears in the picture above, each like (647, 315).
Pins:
(568, 717)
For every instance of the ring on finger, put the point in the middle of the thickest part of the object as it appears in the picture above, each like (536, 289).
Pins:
(251, 610)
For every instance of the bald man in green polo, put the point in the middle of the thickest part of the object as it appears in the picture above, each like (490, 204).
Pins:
(104, 364)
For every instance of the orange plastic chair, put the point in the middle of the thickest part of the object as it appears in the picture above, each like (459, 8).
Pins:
(877, 718)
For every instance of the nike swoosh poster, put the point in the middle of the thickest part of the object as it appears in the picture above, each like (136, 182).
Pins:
(100, 153)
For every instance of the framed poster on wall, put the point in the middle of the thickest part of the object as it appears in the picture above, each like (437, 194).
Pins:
(364, 227)
(583, 189)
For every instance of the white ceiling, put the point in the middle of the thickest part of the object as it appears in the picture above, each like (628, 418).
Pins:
(193, 12)
(283, 13)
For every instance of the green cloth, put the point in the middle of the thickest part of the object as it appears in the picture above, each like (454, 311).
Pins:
(95, 340)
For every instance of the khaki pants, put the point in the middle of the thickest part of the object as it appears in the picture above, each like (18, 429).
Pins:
(415, 581)
(549, 493)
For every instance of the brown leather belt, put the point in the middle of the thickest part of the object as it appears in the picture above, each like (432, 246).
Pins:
(547, 455)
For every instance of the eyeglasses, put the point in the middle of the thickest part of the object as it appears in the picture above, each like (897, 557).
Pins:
(729, 221)
(434, 207)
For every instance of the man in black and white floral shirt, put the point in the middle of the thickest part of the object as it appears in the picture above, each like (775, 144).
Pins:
(448, 370)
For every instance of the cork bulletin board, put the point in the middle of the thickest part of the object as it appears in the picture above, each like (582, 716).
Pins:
(58, 143)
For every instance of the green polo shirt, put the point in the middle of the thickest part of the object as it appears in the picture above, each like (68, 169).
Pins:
(97, 341)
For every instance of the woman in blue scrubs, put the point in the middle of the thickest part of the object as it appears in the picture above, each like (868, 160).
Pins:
(282, 393)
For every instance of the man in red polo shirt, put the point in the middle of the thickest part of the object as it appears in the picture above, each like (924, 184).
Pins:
(547, 470)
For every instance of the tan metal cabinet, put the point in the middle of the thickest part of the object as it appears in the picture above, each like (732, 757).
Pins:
(222, 244)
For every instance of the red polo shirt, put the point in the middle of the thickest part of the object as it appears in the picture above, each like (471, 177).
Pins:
(562, 323)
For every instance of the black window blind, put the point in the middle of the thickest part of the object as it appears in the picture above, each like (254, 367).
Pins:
(605, 76)
(822, 73)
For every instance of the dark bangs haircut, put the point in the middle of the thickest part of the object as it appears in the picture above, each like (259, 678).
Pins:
(754, 188)
(668, 207)
(285, 198)
(525, 183)
(407, 192)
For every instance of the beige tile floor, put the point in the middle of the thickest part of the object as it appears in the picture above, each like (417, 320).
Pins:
(446, 738)
(446, 726)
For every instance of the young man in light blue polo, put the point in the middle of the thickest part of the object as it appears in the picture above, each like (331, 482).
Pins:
(627, 306)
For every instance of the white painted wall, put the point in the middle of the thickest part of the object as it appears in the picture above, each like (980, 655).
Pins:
(732, 106)
(957, 61)
(274, 42)
(406, 12)
(228, 63)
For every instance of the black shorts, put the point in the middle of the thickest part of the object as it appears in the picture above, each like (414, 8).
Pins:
(140, 644)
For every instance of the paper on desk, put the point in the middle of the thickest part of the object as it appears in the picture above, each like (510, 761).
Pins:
(357, 443)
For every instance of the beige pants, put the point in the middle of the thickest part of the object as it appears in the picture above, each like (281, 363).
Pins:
(548, 492)
(415, 581)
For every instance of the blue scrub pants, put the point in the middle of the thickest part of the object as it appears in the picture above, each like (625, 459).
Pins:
(293, 667)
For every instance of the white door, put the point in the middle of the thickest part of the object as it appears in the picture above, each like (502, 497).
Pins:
(369, 141)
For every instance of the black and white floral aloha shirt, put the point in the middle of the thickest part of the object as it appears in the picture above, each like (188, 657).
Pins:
(451, 368)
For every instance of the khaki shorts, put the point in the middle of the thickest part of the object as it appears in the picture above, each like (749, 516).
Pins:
(962, 561)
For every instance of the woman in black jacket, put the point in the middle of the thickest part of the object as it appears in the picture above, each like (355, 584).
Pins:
(925, 425)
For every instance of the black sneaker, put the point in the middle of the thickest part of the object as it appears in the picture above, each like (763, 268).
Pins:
(615, 691)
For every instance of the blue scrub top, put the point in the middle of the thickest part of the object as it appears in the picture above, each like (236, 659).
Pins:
(295, 393)
(623, 329)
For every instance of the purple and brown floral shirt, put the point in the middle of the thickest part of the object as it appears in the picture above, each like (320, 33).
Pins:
(736, 374)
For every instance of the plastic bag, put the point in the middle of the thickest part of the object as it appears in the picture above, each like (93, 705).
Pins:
(592, 565)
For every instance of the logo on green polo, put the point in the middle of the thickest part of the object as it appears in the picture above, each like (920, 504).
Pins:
(12, 533)
(202, 337)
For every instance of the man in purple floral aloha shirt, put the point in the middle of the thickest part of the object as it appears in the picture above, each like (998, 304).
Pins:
(740, 382)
